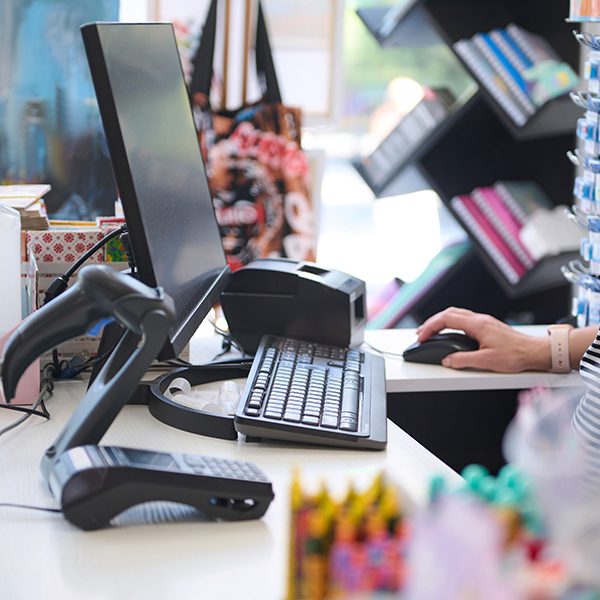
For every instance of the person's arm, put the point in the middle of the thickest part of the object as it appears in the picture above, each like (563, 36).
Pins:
(579, 341)
(502, 348)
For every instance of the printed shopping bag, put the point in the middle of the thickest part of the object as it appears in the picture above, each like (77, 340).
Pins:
(257, 170)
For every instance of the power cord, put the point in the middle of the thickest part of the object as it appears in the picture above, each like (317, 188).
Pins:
(384, 352)
(44, 508)
(46, 389)
(128, 252)
(228, 342)
(60, 284)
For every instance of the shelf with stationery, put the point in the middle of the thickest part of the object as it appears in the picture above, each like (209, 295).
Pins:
(585, 276)
(477, 143)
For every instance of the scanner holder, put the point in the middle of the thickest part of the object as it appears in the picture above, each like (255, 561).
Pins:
(100, 293)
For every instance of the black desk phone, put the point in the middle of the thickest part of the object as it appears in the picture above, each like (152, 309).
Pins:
(95, 483)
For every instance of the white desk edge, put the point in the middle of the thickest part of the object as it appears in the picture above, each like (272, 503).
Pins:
(402, 376)
(46, 557)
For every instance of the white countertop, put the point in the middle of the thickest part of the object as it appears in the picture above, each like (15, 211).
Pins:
(402, 376)
(47, 557)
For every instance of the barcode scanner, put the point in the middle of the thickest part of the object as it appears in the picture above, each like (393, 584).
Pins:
(100, 294)
(94, 490)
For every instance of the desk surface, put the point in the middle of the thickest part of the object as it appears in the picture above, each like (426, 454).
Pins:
(46, 557)
(404, 376)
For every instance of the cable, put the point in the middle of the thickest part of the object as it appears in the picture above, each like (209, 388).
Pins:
(91, 362)
(384, 352)
(44, 508)
(60, 284)
(46, 387)
(84, 257)
(128, 251)
(227, 338)
(28, 411)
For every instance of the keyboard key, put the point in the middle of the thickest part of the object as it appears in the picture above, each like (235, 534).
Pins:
(292, 415)
(338, 365)
(256, 398)
(312, 411)
(352, 365)
(349, 401)
(348, 423)
(330, 421)
(275, 405)
(296, 404)
(271, 414)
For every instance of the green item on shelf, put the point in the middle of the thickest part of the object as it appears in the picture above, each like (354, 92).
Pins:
(114, 252)
(550, 79)
(411, 292)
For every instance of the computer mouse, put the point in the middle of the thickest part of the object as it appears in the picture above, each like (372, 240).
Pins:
(438, 346)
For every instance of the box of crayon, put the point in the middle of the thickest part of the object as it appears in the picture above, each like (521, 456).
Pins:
(349, 548)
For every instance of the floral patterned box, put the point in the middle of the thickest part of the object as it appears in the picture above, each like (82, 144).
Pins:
(65, 245)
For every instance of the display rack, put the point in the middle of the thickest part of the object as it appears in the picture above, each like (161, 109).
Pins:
(477, 143)
(586, 210)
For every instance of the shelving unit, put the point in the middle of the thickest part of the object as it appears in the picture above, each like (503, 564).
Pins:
(478, 144)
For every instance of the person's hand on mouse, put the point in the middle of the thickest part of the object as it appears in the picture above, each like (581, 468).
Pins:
(501, 348)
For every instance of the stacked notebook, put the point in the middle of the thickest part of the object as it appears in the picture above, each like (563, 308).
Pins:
(494, 216)
(27, 200)
(505, 61)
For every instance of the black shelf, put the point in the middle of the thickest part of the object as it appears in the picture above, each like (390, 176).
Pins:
(453, 20)
(478, 144)
(415, 29)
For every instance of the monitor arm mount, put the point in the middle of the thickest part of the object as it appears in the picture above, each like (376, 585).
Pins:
(100, 294)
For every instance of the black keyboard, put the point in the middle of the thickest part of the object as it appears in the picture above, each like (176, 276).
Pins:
(308, 392)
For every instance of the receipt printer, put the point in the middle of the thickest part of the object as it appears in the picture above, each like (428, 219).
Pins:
(294, 299)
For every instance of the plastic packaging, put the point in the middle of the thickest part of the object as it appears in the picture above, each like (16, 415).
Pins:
(10, 268)
(229, 396)
(181, 391)
(543, 444)
(584, 10)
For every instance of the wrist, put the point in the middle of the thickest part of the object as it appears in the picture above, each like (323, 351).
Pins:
(538, 354)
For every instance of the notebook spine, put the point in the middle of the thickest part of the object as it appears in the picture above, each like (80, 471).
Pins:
(511, 49)
(515, 208)
(464, 208)
(526, 41)
(492, 206)
(486, 76)
(511, 77)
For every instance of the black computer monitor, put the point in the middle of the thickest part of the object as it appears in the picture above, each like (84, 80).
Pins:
(148, 122)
